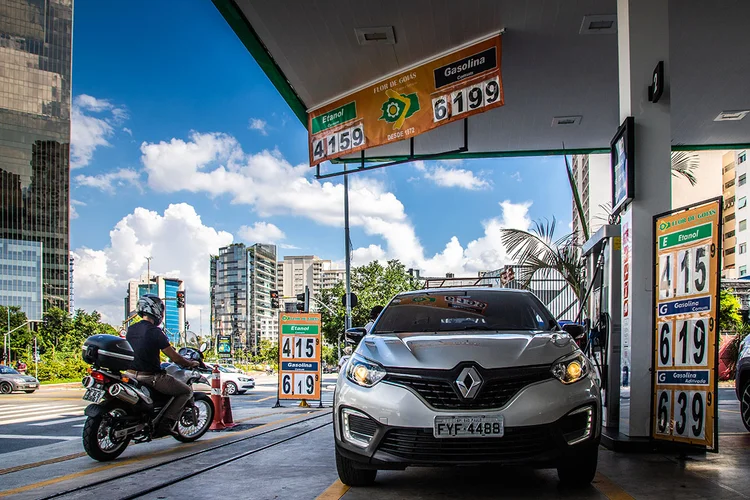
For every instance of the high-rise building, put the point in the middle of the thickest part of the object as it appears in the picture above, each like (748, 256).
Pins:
(21, 276)
(592, 176)
(729, 244)
(166, 288)
(735, 222)
(242, 278)
(35, 100)
(296, 272)
(71, 289)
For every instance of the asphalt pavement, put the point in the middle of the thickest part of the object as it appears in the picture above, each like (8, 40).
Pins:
(54, 414)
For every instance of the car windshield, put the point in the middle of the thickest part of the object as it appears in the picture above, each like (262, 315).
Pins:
(464, 310)
(7, 370)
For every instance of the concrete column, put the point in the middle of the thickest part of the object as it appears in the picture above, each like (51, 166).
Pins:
(643, 41)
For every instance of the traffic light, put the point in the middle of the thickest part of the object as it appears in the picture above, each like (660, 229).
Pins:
(274, 299)
(303, 300)
(180, 298)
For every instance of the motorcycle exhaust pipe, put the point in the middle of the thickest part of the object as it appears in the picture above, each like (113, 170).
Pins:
(123, 393)
(88, 382)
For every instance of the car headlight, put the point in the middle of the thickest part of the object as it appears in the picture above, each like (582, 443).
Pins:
(244, 379)
(571, 368)
(364, 372)
(19, 380)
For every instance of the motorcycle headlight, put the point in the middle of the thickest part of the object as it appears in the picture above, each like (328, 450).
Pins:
(364, 372)
(571, 368)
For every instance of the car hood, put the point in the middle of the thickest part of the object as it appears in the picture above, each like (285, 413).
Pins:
(444, 350)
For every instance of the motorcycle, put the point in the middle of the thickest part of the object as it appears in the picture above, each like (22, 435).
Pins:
(124, 410)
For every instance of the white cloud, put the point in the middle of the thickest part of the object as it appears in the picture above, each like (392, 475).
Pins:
(180, 245)
(88, 132)
(259, 125)
(456, 177)
(127, 131)
(516, 176)
(107, 182)
(73, 205)
(261, 232)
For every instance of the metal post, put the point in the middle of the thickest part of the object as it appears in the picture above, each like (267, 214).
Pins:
(148, 273)
(7, 338)
(36, 359)
(348, 319)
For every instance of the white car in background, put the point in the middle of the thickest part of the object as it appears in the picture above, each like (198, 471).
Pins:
(234, 381)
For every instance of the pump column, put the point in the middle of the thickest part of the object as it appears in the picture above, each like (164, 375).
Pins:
(643, 41)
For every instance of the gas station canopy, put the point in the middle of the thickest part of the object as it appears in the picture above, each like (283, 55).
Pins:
(559, 66)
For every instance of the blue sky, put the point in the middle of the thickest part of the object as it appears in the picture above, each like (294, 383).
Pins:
(168, 163)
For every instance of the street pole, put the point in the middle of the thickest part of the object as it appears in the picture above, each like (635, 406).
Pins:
(348, 319)
(36, 359)
(148, 273)
(7, 338)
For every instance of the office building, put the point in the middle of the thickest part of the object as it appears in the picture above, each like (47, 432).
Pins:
(296, 272)
(21, 276)
(592, 175)
(166, 288)
(35, 100)
(71, 289)
(242, 278)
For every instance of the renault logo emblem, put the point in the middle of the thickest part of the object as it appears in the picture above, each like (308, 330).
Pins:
(468, 382)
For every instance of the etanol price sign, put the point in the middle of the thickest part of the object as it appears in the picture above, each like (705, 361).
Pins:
(299, 355)
(686, 340)
(430, 94)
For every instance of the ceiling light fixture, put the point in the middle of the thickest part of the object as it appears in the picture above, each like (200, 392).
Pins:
(599, 25)
(564, 121)
(377, 35)
(731, 116)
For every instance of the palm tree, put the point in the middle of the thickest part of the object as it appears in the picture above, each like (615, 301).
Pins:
(537, 251)
(684, 164)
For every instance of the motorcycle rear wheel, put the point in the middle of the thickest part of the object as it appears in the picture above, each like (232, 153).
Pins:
(187, 431)
(98, 439)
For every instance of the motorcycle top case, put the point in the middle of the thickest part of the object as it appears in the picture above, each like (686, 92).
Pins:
(108, 351)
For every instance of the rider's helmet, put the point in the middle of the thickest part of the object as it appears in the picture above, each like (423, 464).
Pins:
(152, 306)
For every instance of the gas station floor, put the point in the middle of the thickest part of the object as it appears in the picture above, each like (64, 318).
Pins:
(288, 453)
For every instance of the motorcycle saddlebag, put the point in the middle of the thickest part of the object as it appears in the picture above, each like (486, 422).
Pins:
(108, 351)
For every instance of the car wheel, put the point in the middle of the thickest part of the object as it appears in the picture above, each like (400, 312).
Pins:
(578, 470)
(231, 388)
(745, 405)
(6, 388)
(350, 475)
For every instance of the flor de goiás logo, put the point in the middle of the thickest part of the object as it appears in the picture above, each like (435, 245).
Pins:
(398, 108)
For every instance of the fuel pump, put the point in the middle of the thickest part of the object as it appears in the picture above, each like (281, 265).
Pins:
(603, 303)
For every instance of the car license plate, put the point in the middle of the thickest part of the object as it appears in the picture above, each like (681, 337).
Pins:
(459, 427)
(93, 395)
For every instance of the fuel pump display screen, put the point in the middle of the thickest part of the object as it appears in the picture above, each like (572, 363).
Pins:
(686, 340)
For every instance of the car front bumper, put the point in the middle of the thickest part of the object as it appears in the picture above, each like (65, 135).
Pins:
(24, 386)
(543, 424)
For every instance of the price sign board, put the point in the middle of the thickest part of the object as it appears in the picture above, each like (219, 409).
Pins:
(433, 93)
(686, 337)
(299, 355)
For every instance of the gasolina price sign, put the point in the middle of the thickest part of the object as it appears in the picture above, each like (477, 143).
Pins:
(299, 355)
(688, 250)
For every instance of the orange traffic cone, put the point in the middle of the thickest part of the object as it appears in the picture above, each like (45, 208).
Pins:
(218, 423)
(226, 409)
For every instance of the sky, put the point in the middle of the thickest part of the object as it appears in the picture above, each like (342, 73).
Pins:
(180, 145)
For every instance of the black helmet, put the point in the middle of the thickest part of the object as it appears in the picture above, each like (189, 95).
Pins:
(151, 305)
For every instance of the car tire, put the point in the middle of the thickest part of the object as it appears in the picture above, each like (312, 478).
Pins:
(578, 470)
(745, 403)
(230, 388)
(350, 475)
(6, 388)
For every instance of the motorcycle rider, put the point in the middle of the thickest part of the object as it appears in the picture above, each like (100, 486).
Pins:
(147, 339)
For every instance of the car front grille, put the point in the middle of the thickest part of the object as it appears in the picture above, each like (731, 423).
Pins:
(519, 444)
(438, 389)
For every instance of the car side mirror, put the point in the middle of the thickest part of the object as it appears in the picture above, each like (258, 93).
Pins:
(574, 330)
(354, 335)
(203, 347)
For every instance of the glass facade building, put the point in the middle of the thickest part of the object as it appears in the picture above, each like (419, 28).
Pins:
(21, 276)
(172, 325)
(35, 106)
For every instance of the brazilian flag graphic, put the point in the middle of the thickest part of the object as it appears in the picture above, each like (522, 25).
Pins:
(398, 108)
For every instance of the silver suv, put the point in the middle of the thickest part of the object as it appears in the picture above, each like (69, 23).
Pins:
(466, 376)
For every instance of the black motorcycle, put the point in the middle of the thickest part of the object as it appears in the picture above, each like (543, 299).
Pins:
(123, 409)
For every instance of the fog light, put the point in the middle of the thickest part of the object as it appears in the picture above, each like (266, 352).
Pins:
(358, 428)
(578, 425)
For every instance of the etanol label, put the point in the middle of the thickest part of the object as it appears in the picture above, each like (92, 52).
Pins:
(686, 236)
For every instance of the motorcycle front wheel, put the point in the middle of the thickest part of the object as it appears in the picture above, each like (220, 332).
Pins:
(98, 436)
(190, 429)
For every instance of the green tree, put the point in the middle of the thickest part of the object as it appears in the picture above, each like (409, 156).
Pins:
(374, 284)
(269, 352)
(19, 338)
(55, 330)
(729, 312)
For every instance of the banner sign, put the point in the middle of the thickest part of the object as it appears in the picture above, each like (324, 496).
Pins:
(299, 355)
(224, 344)
(434, 93)
(686, 337)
